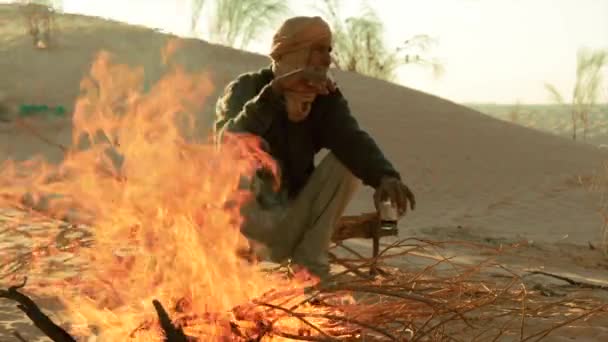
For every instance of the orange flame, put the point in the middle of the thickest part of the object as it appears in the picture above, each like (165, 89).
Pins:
(164, 209)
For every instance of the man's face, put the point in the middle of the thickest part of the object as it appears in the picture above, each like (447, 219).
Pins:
(320, 55)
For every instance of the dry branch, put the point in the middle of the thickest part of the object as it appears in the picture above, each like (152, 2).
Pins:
(58, 334)
(546, 332)
(571, 281)
(40, 320)
(24, 125)
(411, 305)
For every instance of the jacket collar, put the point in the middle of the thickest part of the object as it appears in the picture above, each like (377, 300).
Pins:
(267, 74)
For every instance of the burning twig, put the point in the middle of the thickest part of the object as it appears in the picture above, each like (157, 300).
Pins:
(299, 317)
(351, 321)
(40, 320)
(301, 338)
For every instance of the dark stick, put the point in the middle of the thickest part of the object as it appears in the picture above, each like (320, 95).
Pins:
(571, 281)
(172, 333)
(19, 337)
(375, 250)
(40, 320)
(40, 136)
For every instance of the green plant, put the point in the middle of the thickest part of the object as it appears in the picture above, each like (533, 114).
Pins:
(237, 22)
(515, 113)
(196, 7)
(359, 45)
(589, 65)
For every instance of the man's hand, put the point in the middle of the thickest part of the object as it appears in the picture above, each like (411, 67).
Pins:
(305, 80)
(400, 195)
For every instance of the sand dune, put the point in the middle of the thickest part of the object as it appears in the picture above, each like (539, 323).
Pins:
(466, 168)
(475, 177)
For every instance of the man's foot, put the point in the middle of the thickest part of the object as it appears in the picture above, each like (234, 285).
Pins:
(309, 273)
(248, 255)
(254, 253)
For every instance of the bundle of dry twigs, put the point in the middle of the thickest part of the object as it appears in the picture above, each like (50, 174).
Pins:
(455, 303)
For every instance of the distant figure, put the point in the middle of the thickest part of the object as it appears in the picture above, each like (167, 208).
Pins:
(297, 110)
(38, 16)
(4, 107)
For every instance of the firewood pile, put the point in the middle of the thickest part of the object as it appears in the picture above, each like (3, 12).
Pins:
(400, 304)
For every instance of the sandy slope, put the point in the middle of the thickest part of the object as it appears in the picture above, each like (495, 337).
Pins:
(466, 168)
(476, 178)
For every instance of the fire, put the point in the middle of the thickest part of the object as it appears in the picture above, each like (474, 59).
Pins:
(163, 209)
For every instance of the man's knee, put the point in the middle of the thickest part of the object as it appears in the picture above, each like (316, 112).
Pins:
(339, 171)
(331, 160)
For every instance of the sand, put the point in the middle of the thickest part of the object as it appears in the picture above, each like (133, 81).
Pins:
(476, 178)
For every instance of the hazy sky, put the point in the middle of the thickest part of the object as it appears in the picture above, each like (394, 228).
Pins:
(492, 50)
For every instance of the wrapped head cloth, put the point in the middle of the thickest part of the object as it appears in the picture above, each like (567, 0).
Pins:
(298, 34)
(291, 50)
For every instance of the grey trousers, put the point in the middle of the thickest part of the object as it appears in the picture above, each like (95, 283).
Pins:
(302, 230)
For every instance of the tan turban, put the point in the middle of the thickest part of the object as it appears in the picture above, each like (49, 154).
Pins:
(298, 33)
(291, 50)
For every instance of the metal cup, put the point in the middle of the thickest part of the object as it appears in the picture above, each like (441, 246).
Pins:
(388, 215)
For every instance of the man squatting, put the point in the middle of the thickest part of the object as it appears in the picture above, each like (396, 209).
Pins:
(297, 110)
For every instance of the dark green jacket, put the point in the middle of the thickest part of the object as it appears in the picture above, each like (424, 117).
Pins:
(250, 105)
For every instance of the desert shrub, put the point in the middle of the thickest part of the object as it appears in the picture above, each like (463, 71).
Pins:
(237, 23)
(359, 45)
(587, 87)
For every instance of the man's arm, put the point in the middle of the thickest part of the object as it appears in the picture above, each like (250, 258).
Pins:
(241, 110)
(342, 135)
